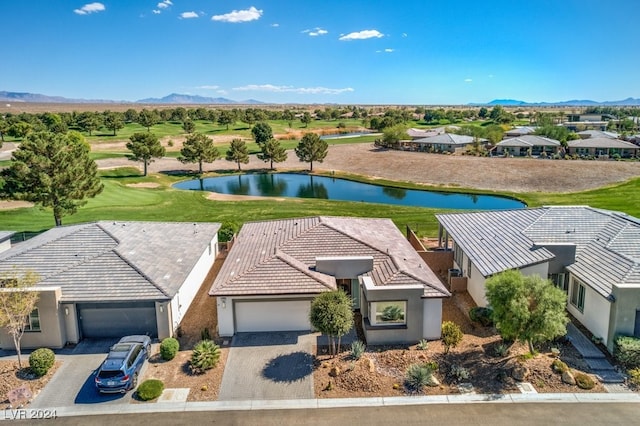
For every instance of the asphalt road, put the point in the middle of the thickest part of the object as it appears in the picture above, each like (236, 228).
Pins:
(491, 414)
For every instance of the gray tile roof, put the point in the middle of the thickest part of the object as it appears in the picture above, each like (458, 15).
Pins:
(528, 141)
(520, 131)
(607, 242)
(114, 260)
(5, 235)
(447, 139)
(278, 257)
(585, 134)
(601, 143)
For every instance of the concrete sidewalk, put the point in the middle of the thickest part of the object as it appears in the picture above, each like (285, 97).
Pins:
(328, 403)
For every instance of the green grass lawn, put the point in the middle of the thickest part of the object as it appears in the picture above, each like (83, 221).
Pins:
(121, 202)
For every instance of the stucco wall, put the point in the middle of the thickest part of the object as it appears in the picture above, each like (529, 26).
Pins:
(596, 312)
(70, 322)
(344, 266)
(432, 318)
(623, 313)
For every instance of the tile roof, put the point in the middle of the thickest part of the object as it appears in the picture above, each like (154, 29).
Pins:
(5, 235)
(607, 242)
(447, 139)
(520, 131)
(113, 260)
(529, 140)
(601, 143)
(278, 257)
(585, 134)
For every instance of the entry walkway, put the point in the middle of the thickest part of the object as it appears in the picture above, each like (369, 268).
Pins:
(595, 359)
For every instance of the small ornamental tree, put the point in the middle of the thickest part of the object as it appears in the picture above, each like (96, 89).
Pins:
(272, 151)
(311, 148)
(145, 147)
(198, 148)
(451, 335)
(332, 314)
(238, 152)
(527, 308)
(17, 301)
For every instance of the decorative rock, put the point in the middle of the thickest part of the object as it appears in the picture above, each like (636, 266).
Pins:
(325, 365)
(520, 373)
(567, 377)
(335, 371)
(372, 366)
(433, 381)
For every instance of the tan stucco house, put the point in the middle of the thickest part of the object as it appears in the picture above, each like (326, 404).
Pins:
(592, 254)
(275, 269)
(110, 279)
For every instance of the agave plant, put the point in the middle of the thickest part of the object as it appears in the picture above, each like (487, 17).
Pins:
(205, 356)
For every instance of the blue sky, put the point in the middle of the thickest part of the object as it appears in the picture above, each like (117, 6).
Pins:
(418, 52)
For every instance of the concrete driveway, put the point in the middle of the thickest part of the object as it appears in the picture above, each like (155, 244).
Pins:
(275, 365)
(73, 383)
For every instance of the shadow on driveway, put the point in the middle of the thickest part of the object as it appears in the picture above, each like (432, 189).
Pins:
(88, 394)
(272, 338)
(289, 368)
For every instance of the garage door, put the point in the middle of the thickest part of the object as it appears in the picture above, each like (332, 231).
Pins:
(117, 319)
(291, 315)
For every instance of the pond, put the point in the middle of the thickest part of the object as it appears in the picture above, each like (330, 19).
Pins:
(329, 188)
(347, 135)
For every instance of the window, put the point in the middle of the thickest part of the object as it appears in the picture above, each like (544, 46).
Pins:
(468, 267)
(388, 313)
(560, 281)
(457, 255)
(32, 322)
(577, 294)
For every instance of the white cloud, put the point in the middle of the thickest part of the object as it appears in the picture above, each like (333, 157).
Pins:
(237, 16)
(385, 51)
(164, 4)
(156, 12)
(468, 80)
(90, 8)
(317, 31)
(404, 35)
(208, 87)
(188, 15)
(275, 25)
(362, 35)
(222, 92)
(291, 89)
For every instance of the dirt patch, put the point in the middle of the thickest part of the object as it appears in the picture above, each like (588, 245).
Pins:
(229, 197)
(498, 174)
(381, 370)
(14, 204)
(12, 377)
(144, 185)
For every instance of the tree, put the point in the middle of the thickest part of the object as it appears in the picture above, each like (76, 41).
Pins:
(198, 148)
(89, 121)
(332, 314)
(19, 130)
(288, 116)
(145, 147)
(451, 335)
(526, 308)
(148, 118)
(17, 302)
(188, 126)
(225, 118)
(272, 151)
(113, 121)
(238, 152)
(394, 134)
(52, 170)
(4, 126)
(262, 132)
(311, 148)
(305, 119)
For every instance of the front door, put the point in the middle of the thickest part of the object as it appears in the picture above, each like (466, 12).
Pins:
(352, 288)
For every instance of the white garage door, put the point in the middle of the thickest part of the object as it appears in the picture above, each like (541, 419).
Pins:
(290, 315)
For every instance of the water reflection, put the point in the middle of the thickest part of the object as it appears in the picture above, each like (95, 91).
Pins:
(239, 187)
(271, 186)
(313, 190)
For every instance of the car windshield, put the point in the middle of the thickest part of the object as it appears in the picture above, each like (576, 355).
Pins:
(121, 347)
(109, 374)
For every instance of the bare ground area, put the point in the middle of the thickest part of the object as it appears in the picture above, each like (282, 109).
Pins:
(12, 377)
(381, 370)
(499, 174)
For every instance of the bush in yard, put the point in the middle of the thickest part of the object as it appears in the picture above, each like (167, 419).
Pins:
(169, 347)
(41, 360)
(357, 349)
(423, 345)
(459, 373)
(226, 232)
(584, 381)
(205, 356)
(451, 335)
(150, 389)
(627, 351)
(417, 377)
(481, 315)
(559, 366)
(634, 376)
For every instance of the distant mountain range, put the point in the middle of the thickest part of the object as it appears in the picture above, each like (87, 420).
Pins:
(574, 102)
(173, 98)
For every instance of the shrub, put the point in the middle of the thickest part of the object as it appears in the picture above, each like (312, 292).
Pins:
(634, 376)
(432, 365)
(559, 366)
(584, 381)
(205, 356)
(150, 389)
(204, 334)
(226, 232)
(627, 351)
(357, 349)
(501, 350)
(417, 377)
(481, 315)
(422, 345)
(41, 360)
(451, 335)
(459, 373)
(169, 347)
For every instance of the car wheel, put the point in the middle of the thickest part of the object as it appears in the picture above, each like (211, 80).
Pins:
(134, 382)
